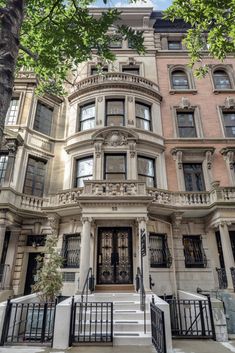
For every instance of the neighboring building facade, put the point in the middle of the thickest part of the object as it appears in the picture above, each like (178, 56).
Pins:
(142, 148)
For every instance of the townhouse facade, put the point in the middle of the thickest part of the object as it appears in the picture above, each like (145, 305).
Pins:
(139, 148)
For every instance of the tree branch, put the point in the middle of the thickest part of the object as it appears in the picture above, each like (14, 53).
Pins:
(49, 15)
(28, 51)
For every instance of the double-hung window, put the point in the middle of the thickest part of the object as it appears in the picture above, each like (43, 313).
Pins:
(35, 177)
(180, 80)
(146, 171)
(229, 123)
(143, 116)
(115, 167)
(193, 251)
(174, 45)
(3, 166)
(115, 112)
(84, 171)
(221, 80)
(43, 118)
(186, 124)
(193, 177)
(12, 112)
(87, 116)
(71, 250)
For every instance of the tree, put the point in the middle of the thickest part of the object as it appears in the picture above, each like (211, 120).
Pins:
(212, 25)
(52, 37)
(49, 280)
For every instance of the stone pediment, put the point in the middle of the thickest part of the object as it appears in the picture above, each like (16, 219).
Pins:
(115, 136)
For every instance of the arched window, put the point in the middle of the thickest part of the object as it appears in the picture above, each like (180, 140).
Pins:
(221, 79)
(180, 80)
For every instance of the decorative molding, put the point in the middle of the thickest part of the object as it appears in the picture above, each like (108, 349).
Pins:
(116, 138)
(229, 102)
(209, 159)
(130, 99)
(98, 149)
(132, 147)
(184, 103)
(100, 99)
(178, 155)
(206, 153)
(54, 221)
(229, 155)
(86, 219)
(176, 219)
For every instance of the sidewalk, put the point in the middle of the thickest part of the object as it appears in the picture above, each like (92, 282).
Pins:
(180, 346)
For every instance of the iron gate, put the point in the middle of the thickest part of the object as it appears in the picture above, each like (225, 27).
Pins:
(191, 318)
(158, 328)
(28, 323)
(91, 322)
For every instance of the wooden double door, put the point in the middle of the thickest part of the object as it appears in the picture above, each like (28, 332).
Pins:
(115, 258)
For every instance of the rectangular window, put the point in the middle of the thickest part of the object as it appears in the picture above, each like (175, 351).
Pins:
(68, 277)
(35, 177)
(12, 112)
(193, 251)
(146, 171)
(143, 116)
(87, 116)
(3, 166)
(175, 45)
(96, 71)
(84, 171)
(115, 112)
(131, 70)
(186, 124)
(229, 123)
(71, 250)
(115, 42)
(159, 251)
(193, 177)
(115, 167)
(43, 119)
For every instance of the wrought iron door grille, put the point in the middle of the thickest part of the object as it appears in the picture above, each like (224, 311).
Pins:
(92, 322)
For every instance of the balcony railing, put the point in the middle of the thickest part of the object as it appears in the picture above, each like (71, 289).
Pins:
(116, 78)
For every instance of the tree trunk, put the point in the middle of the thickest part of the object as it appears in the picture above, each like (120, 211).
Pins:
(11, 18)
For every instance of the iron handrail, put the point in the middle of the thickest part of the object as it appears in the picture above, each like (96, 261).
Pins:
(142, 295)
(86, 285)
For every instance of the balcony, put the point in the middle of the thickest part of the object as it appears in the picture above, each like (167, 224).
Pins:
(127, 190)
(117, 80)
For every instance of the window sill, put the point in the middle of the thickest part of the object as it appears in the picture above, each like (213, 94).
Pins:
(226, 90)
(186, 91)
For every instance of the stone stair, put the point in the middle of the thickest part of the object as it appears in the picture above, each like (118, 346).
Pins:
(128, 319)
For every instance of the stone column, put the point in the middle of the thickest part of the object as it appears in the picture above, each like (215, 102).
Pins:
(2, 237)
(85, 251)
(142, 222)
(227, 251)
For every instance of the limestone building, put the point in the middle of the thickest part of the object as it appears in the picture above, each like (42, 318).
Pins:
(142, 147)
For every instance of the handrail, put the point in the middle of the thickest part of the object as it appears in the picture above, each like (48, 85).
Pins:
(88, 284)
(142, 295)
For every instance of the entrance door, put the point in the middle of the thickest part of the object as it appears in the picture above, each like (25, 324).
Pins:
(114, 256)
(31, 272)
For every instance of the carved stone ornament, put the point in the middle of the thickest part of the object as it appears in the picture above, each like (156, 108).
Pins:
(130, 99)
(116, 138)
(53, 220)
(184, 103)
(98, 149)
(229, 102)
(229, 156)
(100, 99)
(178, 158)
(209, 159)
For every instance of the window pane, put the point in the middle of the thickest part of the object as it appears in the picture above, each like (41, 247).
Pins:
(222, 80)
(115, 120)
(71, 250)
(187, 132)
(180, 80)
(115, 164)
(146, 166)
(3, 166)
(229, 123)
(148, 180)
(115, 107)
(142, 124)
(142, 111)
(186, 125)
(12, 112)
(87, 112)
(193, 252)
(84, 171)
(34, 178)
(193, 176)
(174, 45)
(131, 70)
(87, 125)
(43, 119)
(115, 177)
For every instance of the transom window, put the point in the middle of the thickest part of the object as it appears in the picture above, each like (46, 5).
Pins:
(35, 177)
(193, 251)
(43, 119)
(115, 167)
(134, 70)
(229, 123)
(71, 250)
(159, 251)
(143, 116)
(174, 45)
(3, 166)
(115, 112)
(84, 171)
(186, 124)
(12, 112)
(146, 170)
(193, 177)
(221, 79)
(180, 80)
(87, 116)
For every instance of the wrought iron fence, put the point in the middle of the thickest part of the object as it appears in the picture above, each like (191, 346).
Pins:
(92, 322)
(222, 278)
(191, 318)
(28, 323)
(158, 328)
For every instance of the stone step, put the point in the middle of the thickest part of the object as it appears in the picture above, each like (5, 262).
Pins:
(118, 326)
(114, 297)
(115, 288)
(130, 315)
(132, 339)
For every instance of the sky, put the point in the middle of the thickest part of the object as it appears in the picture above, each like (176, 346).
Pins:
(156, 4)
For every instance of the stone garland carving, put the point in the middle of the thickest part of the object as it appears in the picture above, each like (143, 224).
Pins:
(98, 149)
(209, 159)
(115, 138)
(54, 224)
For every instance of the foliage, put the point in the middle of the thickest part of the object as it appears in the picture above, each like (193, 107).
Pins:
(212, 26)
(49, 279)
(57, 35)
